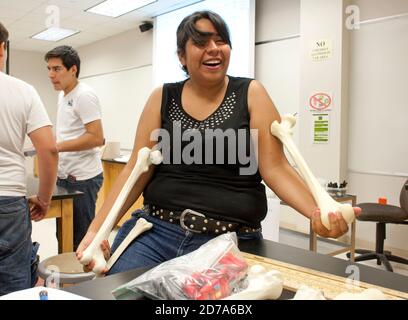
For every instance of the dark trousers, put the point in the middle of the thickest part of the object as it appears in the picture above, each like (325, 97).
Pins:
(84, 206)
(15, 244)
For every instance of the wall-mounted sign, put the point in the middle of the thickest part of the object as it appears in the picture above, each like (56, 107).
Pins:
(321, 125)
(321, 50)
(320, 101)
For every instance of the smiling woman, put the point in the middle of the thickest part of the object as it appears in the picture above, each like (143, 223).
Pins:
(236, 13)
(208, 47)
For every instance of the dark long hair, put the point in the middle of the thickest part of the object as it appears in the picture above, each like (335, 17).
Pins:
(187, 30)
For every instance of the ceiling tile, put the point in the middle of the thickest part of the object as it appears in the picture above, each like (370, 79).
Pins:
(23, 5)
(30, 45)
(91, 18)
(25, 18)
(8, 13)
(6, 21)
(113, 28)
(75, 4)
(45, 11)
(28, 27)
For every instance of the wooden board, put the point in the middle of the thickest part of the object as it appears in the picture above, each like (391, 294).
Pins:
(331, 285)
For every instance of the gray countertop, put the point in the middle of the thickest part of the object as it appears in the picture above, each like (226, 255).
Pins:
(58, 194)
(100, 289)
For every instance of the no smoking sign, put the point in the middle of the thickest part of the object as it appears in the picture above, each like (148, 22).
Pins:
(320, 101)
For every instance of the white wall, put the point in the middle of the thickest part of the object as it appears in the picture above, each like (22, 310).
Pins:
(276, 19)
(372, 9)
(368, 98)
(128, 49)
(31, 67)
(119, 70)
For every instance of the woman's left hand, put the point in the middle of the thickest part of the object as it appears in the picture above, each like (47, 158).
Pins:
(338, 226)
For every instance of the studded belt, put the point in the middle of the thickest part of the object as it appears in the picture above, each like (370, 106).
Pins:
(196, 222)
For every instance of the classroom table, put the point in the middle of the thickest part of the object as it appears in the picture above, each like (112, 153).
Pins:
(100, 289)
(62, 209)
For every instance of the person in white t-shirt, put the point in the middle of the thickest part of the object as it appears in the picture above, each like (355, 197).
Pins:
(79, 134)
(21, 113)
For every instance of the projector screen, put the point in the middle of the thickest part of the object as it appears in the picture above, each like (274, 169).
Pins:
(240, 18)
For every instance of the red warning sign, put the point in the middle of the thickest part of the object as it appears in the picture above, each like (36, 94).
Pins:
(320, 101)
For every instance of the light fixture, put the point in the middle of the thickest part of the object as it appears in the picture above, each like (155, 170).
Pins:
(176, 6)
(54, 34)
(116, 8)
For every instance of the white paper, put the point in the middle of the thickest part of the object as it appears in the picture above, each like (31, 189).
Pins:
(123, 158)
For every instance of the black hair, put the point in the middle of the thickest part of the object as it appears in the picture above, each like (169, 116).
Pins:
(187, 30)
(68, 55)
(4, 35)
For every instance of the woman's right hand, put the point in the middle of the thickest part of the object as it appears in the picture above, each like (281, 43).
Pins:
(86, 241)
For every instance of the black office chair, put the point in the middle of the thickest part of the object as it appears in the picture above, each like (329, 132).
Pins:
(383, 214)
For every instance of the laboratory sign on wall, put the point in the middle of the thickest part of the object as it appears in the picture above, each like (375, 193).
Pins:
(321, 50)
(321, 125)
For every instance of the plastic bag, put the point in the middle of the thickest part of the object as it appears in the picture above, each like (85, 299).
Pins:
(213, 271)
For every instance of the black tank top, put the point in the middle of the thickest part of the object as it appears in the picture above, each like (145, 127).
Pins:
(208, 166)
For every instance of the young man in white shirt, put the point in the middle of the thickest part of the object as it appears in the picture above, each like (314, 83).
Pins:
(79, 134)
(21, 113)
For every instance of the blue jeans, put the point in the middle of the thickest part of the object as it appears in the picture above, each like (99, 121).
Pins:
(163, 242)
(15, 244)
(84, 206)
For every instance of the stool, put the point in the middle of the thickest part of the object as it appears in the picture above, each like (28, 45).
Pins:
(65, 267)
(383, 214)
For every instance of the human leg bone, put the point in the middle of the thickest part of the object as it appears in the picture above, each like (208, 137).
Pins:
(145, 158)
(307, 293)
(263, 285)
(283, 131)
(367, 294)
(141, 226)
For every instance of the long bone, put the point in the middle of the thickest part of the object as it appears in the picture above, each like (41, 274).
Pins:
(308, 293)
(141, 226)
(367, 294)
(262, 285)
(283, 131)
(145, 158)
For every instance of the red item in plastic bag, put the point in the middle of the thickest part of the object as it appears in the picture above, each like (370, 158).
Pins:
(215, 283)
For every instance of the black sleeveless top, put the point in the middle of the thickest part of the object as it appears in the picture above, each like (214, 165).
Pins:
(209, 166)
